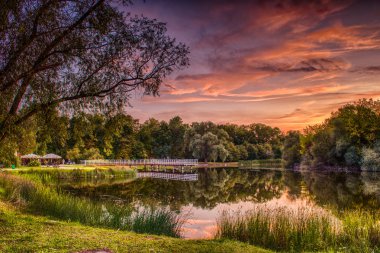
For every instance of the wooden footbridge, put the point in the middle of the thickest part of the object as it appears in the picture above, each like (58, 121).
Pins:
(169, 176)
(178, 163)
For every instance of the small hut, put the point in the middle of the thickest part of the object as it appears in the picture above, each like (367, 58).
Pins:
(26, 159)
(51, 159)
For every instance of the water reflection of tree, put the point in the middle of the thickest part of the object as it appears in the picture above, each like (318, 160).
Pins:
(334, 190)
(214, 186)
(344, 190)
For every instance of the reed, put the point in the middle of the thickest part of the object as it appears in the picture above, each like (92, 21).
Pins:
(268, 163)
(280, 228)
(303, 229)
(40, 199)
(74, 174)
(361, 230)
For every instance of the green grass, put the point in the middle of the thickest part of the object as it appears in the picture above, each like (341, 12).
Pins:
(27, 233)
(300, 230)
(267, 163)
(73, 173)
(40, 199)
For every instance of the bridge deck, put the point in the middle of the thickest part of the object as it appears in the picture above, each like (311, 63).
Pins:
(149, 162)
(168, 176)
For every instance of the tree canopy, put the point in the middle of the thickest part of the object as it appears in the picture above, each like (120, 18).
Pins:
(349, 138)
(78, 54)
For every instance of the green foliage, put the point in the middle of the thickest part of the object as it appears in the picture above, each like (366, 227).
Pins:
(45, 200)
(53, 175)
(342, 140)
(34, 163)
(267, 163)
(7, 154)
(283, 229)
(351, 156)
(345, 139)
(79, 55)
(120, 136)
(74, 154)
(291, 154)
(42, 234)
(208, 147)
(370, 159)
(91, 154)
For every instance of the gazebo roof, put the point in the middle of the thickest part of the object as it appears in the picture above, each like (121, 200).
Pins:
(31, 156)
(51, 156)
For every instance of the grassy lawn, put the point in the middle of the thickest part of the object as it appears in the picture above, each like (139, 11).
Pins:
(69, 167)
(27, 233)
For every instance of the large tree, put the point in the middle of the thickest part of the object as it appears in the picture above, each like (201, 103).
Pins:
(78, 54)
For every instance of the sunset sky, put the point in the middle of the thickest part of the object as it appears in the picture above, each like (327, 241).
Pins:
(282, 63)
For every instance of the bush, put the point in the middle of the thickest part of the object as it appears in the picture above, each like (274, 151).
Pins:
(370, 159)
(34, 163)
(7, 154)
(291, 153)
(351, 157)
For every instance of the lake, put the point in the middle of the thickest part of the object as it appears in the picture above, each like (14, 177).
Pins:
(201, 196)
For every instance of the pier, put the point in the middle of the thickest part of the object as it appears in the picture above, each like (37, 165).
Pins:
(153, 163)
(168, 176)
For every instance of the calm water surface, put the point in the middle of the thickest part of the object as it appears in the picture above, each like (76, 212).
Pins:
(211, 191)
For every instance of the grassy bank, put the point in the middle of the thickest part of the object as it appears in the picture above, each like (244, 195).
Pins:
(74, 173)
(40, 199)
(27, 233)
(285, 229)
(268, 163)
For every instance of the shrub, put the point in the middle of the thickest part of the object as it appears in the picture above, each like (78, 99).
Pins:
(370, 159)
(34, 163)
(352, 157)
(291, 153)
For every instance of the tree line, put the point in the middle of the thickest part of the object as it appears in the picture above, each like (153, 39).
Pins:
(349, 138)
(120, 136)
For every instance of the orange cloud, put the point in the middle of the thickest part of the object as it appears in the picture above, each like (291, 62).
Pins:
(283, 63)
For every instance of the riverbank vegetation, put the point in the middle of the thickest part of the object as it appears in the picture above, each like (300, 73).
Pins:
(81, 173)
(303, 229)
(95, 136)
(43, 200)
(22, 232)
(350, 138)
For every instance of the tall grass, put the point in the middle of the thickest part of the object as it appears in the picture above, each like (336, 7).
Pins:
(303, 229)
(361, 230)
(44, 200)
(74, 174)
(267, 163)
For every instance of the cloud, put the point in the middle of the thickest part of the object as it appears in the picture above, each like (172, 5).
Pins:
(307, 65)
(286, 63)
(368, 69)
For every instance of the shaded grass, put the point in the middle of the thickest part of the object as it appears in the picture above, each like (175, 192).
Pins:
(267, 163)
(27, 233)
(304, 229)
(77, 173)
(43, 200)
(361, 230)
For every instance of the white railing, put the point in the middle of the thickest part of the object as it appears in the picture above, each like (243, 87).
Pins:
(163, 162)
(168, 176)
